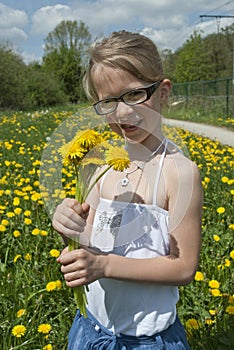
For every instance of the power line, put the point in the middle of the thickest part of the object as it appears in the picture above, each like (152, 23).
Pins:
(219, 7)
(218, 18)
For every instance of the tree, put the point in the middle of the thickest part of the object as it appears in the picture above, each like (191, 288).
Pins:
(169, 62)
(220, 48)
(207, 58)
(193, 61)
(12, 77)
(43, 88)
(65, 49)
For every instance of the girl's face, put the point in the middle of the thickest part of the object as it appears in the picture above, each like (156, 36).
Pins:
(139, 123)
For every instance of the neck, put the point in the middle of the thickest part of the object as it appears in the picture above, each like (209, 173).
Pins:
(142, 151)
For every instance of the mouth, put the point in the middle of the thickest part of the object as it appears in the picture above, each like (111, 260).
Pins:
(130, 127)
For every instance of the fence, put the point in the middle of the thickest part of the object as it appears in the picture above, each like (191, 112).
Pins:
(213, 96)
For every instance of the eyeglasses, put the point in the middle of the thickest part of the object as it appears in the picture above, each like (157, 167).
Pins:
(130, 98)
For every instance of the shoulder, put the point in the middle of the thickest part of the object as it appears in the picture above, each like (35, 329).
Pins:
(177, 162)
(180, 171)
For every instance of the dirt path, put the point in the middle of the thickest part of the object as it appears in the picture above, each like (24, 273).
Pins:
(222, 135)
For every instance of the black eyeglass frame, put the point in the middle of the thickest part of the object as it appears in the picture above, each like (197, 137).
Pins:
(150, 89)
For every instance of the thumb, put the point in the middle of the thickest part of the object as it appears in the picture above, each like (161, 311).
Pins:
(64, 251)
(85, 207)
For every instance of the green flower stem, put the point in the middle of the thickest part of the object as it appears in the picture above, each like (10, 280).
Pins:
(81, 194)
(97, 179)
(79, 291)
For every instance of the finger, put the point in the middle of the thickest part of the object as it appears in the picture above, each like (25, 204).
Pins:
(81, 209)
(71, 258)
(70, 219)
(77, 282)
(68, 222)
(63, 252)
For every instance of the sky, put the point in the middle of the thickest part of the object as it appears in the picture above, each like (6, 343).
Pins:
(169, 23)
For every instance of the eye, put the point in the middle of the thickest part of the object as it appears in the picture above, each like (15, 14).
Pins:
(135, 96)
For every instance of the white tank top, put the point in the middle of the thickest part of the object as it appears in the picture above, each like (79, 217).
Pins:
(134, 231)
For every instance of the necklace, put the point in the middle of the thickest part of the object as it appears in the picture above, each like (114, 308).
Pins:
(125, 181)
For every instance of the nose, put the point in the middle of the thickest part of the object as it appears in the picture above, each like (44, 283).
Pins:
(123, 111)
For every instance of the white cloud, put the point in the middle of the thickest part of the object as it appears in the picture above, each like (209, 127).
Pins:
(47, 18)
(10, 17)
(168, 23)
(12, 23)
(13, 35)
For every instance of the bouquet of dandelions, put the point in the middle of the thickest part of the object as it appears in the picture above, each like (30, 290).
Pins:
(85, 153)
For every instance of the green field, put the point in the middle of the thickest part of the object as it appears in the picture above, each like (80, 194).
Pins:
(36, 308)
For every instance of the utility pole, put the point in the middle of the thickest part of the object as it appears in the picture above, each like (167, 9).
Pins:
(219, 17)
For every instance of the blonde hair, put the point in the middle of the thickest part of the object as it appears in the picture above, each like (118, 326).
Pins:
(131, 52)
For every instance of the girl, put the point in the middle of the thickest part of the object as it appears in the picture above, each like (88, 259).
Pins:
(144, 224)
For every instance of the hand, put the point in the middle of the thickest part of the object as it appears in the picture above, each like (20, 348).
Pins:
(81, 266)
(70, 217)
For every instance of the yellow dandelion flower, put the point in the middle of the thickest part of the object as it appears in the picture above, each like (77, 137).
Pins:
(199, 276)
(72, 153)
(19, 331)
(20, 312)
(54, 253)
(17, 257)
(27, 213)
(35, 197)
(216, 238)
(2, 228)
(5, 222)
(224, 179)
(51, 286)
(216, 292)
(92, 160)
(206, 180)
(220, 267)
(35, 231)
(230, 309)
(192, 323)
(48, 347)
(221, 210)
(212, 312)
(232, 254)
(27, 221)
(17, 211)
(43, 233)
(16, 201)
(10, 214)
(231, 226)
(117, 157)
(227, 263)
(28, 257)
(16, 233)
(209, 321)
(214, 284)
(58, 284)
(88, 139)
(44, 328)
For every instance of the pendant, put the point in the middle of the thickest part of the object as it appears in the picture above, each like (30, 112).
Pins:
(124, 181)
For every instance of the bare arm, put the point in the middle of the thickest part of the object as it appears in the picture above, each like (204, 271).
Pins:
(185, 210)
(178, 268)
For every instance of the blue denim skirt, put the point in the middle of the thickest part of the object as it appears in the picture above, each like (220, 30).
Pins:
(89, 334)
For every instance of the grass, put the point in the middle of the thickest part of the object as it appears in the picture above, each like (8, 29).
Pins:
(32, 291)
(213, 112)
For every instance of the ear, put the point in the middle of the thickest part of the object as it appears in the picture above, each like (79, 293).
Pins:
(165, 91)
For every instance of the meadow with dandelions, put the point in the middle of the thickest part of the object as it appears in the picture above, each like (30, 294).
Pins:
(36, 307)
